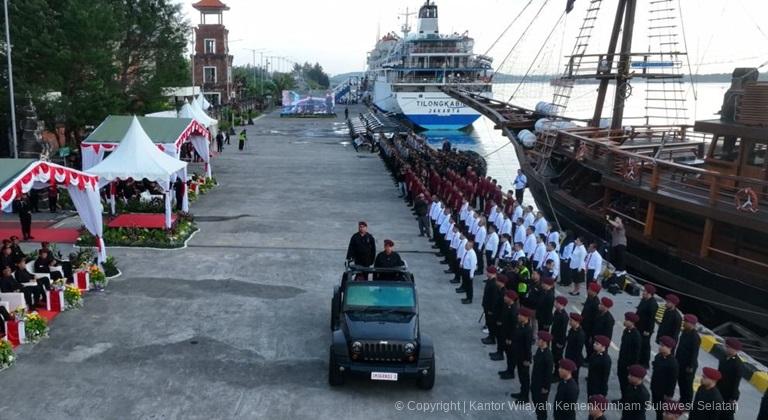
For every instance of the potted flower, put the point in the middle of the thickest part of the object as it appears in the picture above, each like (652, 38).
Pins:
(7, 357)
(19, 313)
(73, 297)
(58, 284)
(35, 327)
(98, 278)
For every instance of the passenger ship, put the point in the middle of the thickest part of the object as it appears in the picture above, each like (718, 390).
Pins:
(405, 73)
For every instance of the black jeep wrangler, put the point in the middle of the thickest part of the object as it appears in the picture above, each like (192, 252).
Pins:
(375, 328)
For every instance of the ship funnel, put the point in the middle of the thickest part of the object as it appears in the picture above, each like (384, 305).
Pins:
(427, 23)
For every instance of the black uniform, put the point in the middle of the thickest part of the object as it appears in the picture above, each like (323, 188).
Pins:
(565, 399)
(384, 260)
(663, 381)
(589, 314)
(598, 373)
(498, 316)
(362, 249)
(646, 310)
(603, 325)
(24, 210)
(705, 404)
(544, 309)
(520, 353)
(559, 334)
(634, 402)
(629, 354)
(574, 344)
(541, 380)
(728, 385)
(508, 327)
(670, 325)
(490, 292)
(687, 356)
(32, 294)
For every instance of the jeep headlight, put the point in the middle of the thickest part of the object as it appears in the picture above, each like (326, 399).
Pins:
(409, 348)
(357, 347)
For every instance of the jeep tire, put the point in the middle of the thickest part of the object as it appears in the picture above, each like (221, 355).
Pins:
(427, 381)
(335, 377)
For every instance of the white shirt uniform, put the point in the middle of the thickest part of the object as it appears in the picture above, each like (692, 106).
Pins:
(529, 245)
(455, 241)
(518, 213)
(554, 236)
(463, 212)
(469, 262)
(461, 249)
(505, 250)
(435, 210)
(567, 250)
(518, 254)
(528, 219)
(594, 261)
(541, 226)
(445, 225)
(499, 220)
(480, 237)
(520, 182)
(441, 218)
(450, 235)
(492, 244)
(472, 223)
(577, 257)
(492, 214)
(538, 254)
(506, 226)
(520, 234)
(552, 255)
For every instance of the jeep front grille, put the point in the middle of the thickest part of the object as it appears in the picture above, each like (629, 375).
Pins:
(376, 351)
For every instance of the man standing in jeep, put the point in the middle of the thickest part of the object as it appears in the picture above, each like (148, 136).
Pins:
(362, 246)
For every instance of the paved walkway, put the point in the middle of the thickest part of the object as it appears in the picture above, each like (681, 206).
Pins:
(236, 325)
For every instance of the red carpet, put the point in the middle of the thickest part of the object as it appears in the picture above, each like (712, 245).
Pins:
(61, 235)
(140, 220)
(36, 224)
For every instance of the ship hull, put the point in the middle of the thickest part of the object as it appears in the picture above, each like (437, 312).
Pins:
(649, 261)
(435, 110)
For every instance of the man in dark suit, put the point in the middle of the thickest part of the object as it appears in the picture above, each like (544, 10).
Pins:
(559, 331)
(574, 344)
(567, 392)
(589, 313)
(520, 351)
(665, 374)
(599, 367)
(708, 402)
(545, 304)
(636, 395)
(672, 321)
(22, 207)
(687, 356)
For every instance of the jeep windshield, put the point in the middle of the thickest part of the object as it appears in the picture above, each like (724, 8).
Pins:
(388, 298)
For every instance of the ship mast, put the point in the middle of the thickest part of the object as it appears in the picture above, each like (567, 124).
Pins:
(406, 28)
(625, 16)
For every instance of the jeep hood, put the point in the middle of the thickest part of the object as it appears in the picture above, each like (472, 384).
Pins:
(377, 328)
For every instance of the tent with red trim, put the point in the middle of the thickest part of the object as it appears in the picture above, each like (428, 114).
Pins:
(18, 176)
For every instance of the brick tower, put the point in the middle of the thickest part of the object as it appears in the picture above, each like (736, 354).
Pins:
(212, 61)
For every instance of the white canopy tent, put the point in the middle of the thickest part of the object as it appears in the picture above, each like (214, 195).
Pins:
(202, 102)
(202, 117)
(138, 157)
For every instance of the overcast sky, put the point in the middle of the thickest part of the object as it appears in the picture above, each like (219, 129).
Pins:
(721, 34)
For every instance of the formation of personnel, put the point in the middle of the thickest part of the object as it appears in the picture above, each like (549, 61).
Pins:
(474, 225)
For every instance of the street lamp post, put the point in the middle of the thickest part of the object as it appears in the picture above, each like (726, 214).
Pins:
(10, 81)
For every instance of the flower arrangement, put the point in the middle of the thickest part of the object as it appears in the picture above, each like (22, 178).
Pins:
(7, 358)
(36, 327)
(20, 313)
(142, 237)
(110, 267)
(73, 297)
(58, 284)
(97, 276)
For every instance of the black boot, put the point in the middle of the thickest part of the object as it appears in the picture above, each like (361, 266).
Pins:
(488, 340)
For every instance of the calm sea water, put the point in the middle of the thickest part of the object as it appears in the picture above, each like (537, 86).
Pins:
(501, 157)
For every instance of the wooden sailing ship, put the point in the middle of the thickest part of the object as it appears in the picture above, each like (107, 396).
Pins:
(694, 199)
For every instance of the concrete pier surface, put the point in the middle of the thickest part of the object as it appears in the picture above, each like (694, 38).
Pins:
(236, 325)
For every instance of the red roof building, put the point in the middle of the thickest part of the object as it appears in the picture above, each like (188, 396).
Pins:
(212, 62)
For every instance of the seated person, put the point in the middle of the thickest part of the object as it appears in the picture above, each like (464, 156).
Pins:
(387, 259)
(23, 276)
(32, 294)
(6, 258)
(43, 261)
(16, 248)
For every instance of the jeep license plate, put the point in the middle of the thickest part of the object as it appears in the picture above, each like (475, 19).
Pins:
(383, 376)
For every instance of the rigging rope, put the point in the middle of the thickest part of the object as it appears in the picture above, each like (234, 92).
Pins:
(687, 56)
(527, 72)
(508, 27)
(521, 36)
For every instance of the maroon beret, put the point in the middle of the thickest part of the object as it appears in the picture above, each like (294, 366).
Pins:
(567, 364)
(691, 319)
(549, 281)
(599, 402)
(388, 242)
(492, 269)
(673, 299)
(501, 278)
(594, 287)
(511, 294)
(711, 373)
(526, 312)
(576, 317)
(561, 300)
(607, 302)
(637, 371)
(632, 316)
(362, 223)
(733, 343)
(603, 340)
(544, 335)
(668, 341)
(649, 288)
